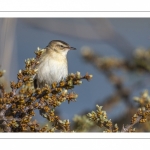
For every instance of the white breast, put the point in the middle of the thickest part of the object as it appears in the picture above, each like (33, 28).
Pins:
(52, 70)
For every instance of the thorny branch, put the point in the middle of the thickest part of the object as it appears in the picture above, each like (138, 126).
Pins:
(107, 65)
(18, 106)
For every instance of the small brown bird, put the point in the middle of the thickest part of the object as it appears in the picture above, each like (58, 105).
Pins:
(53, 65)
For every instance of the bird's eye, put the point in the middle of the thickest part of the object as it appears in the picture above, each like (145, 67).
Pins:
(61, 46)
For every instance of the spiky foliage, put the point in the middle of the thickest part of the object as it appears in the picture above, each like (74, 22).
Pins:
(18, 106)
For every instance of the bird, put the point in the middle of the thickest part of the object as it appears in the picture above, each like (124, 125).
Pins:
(53, 64)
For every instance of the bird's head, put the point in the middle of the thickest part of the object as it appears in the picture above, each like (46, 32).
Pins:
(59, 47)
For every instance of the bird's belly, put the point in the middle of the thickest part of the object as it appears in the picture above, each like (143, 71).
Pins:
(52, 71)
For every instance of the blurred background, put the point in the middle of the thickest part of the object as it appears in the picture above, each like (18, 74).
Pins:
(108, 37)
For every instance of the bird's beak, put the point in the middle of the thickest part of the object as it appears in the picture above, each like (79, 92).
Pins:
(72, 48)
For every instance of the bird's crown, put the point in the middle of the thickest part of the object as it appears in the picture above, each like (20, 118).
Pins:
(59, 45)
